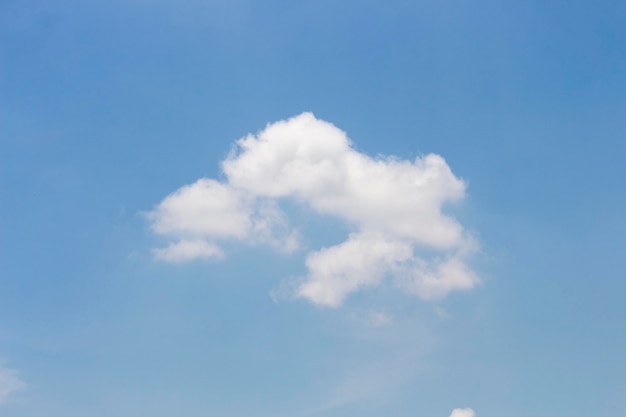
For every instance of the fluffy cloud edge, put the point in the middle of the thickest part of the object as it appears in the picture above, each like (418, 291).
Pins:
(463, 412)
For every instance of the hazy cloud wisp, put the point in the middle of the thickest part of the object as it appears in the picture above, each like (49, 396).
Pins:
(10, 383)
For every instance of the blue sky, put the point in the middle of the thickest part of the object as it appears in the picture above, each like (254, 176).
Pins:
(107, 108)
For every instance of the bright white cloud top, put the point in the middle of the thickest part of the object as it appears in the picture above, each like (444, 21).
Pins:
(462, 412)
(394, 207)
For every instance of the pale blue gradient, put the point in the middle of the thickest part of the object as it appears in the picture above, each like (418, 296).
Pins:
(106, 107)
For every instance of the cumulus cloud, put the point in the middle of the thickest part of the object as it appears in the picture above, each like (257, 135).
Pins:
(204, 208)
(394, 207)
(462, 412)
(10, 383)
(360, 261)
(209, 210)
(314, 162)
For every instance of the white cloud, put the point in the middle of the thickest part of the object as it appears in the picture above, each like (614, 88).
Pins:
(435, 279)
(10, 383)
(313, 161)
(362, 260)
(462, 412)
(204, 208)
(208, 209)
(394, 206)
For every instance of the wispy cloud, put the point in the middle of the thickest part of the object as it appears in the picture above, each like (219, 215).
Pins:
(186, 250)
(394, 207)
(10, 383)
(400, 353)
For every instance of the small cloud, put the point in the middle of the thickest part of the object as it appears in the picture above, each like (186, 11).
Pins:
(10, 383)
(462, 412)
(186, 250)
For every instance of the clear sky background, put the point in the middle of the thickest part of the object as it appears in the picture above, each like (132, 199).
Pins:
(108, 107)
